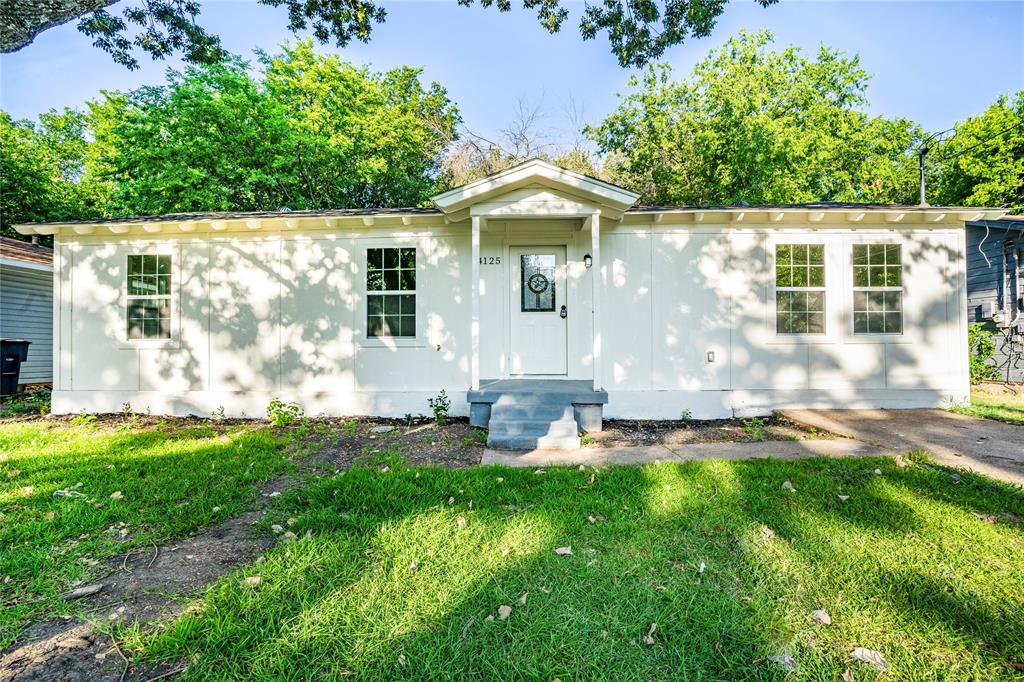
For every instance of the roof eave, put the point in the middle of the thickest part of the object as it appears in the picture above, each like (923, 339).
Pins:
(890, 216)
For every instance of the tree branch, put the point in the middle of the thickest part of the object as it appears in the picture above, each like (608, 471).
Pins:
(22, 20)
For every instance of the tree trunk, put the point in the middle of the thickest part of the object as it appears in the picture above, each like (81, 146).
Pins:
(22, 20)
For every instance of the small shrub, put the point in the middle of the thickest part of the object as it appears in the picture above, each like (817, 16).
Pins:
(218, 414)
(83, 419)
(586, 439)
(350, 427)
(440, 406)
(283, 414)
(754, 428)
(982, 349)
(126, 411)
(686, 415)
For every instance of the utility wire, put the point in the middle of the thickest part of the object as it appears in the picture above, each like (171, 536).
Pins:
(950, 157)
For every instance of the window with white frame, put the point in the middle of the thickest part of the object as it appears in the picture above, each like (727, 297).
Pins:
(800, 288)
(391, 292)
(877, 289)
(149, 297)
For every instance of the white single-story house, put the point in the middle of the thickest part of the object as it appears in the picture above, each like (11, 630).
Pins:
(26, 305)
(532, 281)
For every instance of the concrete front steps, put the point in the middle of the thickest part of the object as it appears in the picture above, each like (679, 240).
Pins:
(529, 414)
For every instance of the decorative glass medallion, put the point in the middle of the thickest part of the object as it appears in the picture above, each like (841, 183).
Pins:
(537, 271)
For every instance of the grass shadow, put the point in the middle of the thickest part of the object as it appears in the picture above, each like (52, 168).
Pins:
(390, 584)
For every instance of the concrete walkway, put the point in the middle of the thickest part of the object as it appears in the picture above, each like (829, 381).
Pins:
(989, 447)
(679, 453)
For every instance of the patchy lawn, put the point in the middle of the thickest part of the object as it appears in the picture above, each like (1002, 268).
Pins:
(995, 401)
(700, 570)
(75, 493)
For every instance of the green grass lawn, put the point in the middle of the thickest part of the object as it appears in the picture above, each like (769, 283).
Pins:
(151, 484)
(1001, 406)
(403, 569)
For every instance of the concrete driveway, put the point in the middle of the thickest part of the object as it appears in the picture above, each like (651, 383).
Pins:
(988, 447)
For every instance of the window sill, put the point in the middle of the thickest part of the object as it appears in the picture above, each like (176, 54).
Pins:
(149, 344)
(802, 339)
(878, 338)
(391, 343)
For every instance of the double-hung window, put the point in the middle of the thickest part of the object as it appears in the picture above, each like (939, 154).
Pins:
(149, 297)
(877, 289)
(391, 293)
(800, 288)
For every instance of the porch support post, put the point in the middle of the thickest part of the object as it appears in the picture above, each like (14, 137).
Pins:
(595, 280)
(474, 362)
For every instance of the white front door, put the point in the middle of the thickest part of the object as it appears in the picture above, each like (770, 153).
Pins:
(538, 325)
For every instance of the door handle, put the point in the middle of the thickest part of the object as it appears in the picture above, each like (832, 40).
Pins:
(563, 313)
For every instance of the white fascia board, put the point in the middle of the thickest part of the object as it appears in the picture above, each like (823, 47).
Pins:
(14, 263)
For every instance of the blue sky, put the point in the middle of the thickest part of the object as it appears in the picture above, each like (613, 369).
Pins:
(934, 62)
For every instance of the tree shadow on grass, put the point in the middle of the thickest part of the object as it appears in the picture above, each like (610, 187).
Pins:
(390, 584)
(165, 484)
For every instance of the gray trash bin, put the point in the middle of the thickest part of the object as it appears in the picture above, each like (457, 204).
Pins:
(13, 352)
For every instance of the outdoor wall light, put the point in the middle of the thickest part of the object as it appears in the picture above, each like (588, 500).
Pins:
(587, 260)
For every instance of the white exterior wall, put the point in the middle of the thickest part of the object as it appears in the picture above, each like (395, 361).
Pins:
(675, 293)
(265, 314)
(257, 317)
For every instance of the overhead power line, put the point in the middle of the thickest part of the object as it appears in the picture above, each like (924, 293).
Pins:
(948, 157)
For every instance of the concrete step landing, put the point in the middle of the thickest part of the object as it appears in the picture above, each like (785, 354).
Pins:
(528, 414)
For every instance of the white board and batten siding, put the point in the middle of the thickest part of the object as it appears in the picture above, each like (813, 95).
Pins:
(276, 306)
(26, 312)
(689, 323)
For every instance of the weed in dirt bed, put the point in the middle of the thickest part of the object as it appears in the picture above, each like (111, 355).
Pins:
(709, 570)
(630, 432)
(33, 402)
(75, 493)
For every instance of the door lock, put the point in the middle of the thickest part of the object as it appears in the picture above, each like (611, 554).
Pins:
(564, 313)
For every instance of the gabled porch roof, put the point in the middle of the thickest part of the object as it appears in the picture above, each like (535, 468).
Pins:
(610, 200)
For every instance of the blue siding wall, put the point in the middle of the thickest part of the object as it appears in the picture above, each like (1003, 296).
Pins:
(26, 312)
(984, 284)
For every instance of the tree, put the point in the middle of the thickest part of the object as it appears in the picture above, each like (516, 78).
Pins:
(756, 125)
(360, 139)
(42, 169)
(638, 30)
(982, 164)
(523, 138)
(309, 131)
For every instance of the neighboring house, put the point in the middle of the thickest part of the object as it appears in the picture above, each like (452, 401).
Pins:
(26, 305)
(995, 288)
(532, 274)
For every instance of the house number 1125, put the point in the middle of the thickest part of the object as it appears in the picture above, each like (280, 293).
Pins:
(490, 260)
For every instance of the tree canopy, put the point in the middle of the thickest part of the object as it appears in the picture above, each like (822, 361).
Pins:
(982, 164)
(638, 30)
(756, 125)
(307, 130)
(42, 168)
(304, 131)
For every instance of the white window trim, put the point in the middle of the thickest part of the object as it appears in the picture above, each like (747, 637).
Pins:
(362, 338)
(832, 325)
(853, 336)
(151, 250)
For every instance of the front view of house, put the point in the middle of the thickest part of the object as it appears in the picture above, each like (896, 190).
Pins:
(532, 276)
